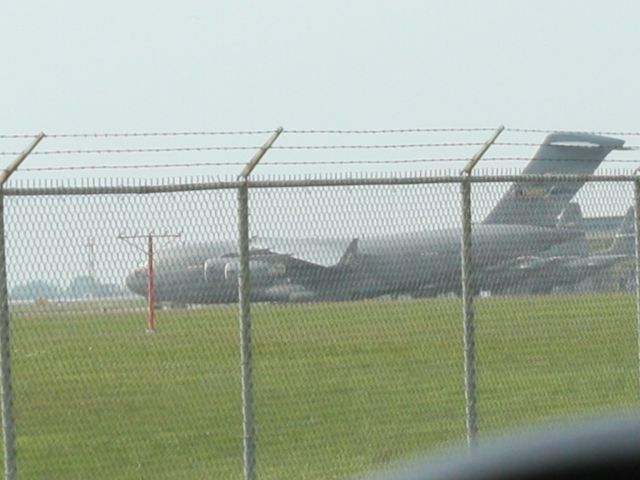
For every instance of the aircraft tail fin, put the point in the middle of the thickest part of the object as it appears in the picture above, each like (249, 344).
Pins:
(540, 203)
(350, 253)
(624, 242)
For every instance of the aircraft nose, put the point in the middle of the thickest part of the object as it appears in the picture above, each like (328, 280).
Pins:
(137, 281)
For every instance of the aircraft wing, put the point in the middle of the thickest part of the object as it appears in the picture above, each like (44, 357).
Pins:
(324, 253)
(539, 263)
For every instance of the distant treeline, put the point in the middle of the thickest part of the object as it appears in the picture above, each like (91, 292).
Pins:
(81, 287)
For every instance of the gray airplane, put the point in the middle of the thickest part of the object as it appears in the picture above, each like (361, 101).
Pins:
(524, 223)
(563, 265)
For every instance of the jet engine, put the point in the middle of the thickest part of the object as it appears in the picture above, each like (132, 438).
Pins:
(226, 270)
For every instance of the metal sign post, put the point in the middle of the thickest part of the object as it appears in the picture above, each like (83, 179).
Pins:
(151, 291)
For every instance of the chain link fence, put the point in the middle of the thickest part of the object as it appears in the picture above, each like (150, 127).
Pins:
(355, 327)
(293, 326)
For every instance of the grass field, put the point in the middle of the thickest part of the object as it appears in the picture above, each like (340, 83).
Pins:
(340, 389)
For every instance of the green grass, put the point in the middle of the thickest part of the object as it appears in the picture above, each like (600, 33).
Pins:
(340, 389)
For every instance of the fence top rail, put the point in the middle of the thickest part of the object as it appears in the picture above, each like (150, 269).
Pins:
(62, 190)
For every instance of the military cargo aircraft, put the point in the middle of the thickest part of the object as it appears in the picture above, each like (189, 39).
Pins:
(523, 224)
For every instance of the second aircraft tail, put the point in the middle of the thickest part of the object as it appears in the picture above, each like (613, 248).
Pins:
(624, 242)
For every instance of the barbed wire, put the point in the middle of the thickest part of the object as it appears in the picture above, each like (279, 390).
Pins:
(132, 167)
(251, 132)
(294, 131)
(561, 145)
(141, 134)
(537, 130)
(216, 164)
(376, 146)
(286, 147)
(305, 163)
(317, 147)
(432, 145)
(100, 151)
(387, 130)
(527, 159)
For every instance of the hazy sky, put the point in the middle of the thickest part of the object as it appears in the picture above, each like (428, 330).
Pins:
(130, 66)
(78, 66)
(194, 65)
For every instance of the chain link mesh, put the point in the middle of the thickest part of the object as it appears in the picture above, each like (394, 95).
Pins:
(357, 340)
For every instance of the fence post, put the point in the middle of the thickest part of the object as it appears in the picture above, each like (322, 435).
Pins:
(244, 294)
(468, 325)
(636, 185)
(6, 394)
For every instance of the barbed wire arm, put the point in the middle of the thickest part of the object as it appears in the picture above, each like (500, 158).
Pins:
(13, 166)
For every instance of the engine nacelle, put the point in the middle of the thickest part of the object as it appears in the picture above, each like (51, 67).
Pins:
(218, 270)
(226, 270)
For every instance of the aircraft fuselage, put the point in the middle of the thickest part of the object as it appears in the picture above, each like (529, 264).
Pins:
(409, 263)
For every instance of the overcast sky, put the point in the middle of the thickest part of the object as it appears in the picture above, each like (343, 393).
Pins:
(142, 65)
(74, 65)
(193, 65)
